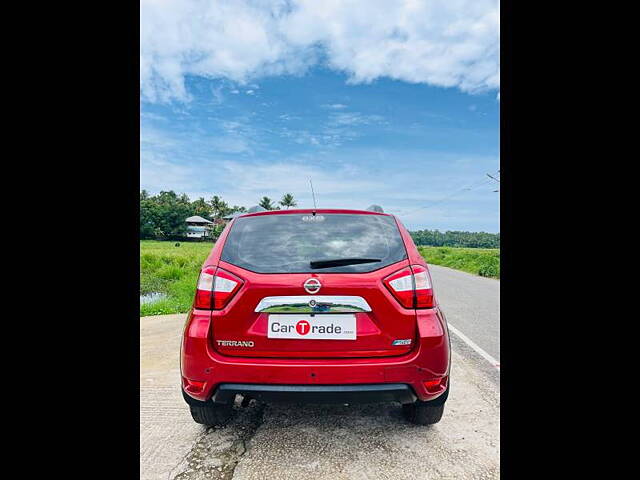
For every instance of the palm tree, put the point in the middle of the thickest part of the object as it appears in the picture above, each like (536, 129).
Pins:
(265, 203)
(220, 207)
(201, 207)
(288, 201)
(237, 209)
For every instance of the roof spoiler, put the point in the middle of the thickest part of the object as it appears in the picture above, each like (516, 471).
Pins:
(375, 208)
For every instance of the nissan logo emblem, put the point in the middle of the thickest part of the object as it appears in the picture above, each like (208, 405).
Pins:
(312, 285)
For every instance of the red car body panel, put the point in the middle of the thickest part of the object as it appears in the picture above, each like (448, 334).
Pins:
(376, 329)
(371, 359)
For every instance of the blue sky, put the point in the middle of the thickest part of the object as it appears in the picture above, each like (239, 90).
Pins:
(241, 123)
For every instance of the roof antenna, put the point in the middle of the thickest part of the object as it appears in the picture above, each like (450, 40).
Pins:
(315, 207)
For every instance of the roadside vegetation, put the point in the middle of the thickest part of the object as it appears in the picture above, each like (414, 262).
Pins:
(162, 216)
(172, 271)
(455, 238)
(479, 261)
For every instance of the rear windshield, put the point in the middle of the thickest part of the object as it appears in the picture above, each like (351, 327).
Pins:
(288, 243)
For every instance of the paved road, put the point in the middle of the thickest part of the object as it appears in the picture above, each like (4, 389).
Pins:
(281, 441)
(472, 305)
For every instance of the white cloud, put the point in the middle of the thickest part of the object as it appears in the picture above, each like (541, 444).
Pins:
(217, 94)
(157, 173)
(244, 182)
(355, 118)
(334, 132)
(152, 116)
(231, 145)
(335, 106)
(448, 43)
(288, 117)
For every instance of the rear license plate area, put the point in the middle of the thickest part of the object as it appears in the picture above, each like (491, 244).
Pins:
(312, 327)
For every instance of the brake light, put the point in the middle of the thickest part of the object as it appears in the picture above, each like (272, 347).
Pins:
(424, 290)
(225, 286)
(204, 290)
(411, 286)
(215, 288)
(401, 286)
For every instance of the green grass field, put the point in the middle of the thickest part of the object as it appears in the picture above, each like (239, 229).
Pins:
(173, 270)
(479, 261)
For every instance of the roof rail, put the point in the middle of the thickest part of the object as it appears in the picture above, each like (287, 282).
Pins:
(256, 208)
(375, 208)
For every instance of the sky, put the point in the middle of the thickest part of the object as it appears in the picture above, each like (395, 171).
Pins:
(394, 106)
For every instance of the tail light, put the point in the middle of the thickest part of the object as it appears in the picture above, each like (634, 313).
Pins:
(216, 288)
(424, 290)
(411, 286)
(225, 286)
(204, 290)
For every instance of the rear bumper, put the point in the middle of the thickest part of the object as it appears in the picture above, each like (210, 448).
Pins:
(205, 371)
(389, 392)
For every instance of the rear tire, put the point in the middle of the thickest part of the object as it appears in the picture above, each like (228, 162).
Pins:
(426, 413)
(208, 413)
(422, 413)
(211, 415)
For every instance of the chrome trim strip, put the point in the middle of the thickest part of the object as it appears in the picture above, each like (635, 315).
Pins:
(320, 304)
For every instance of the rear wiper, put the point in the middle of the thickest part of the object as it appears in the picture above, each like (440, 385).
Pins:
(341, 262)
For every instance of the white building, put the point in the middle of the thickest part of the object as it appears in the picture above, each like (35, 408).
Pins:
(198, 227)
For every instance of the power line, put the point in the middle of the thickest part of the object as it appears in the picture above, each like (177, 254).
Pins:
(496, 179)
(477, 183)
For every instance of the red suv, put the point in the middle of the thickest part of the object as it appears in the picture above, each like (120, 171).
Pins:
(317, 306)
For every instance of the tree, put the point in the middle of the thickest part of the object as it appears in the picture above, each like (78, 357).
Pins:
(456, 239)
(266, 203)
(236, 209)
(201, 208)
(163, 215)
(147, 216)
(216, 230)
(288, 201)
(220, 208)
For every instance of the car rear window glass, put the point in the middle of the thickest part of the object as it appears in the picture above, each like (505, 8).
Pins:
(288, 243)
